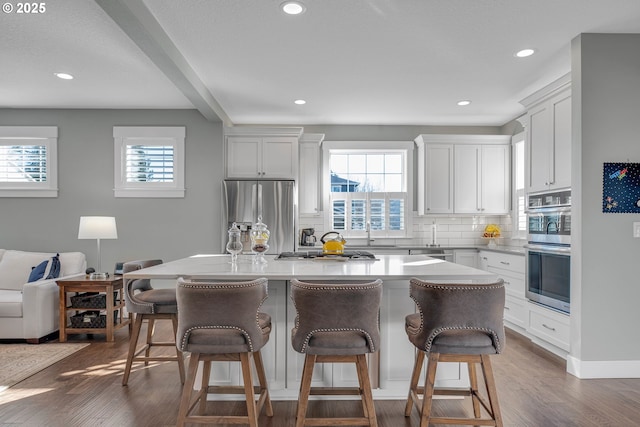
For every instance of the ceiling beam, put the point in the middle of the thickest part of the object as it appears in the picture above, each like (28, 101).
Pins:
(135, 19)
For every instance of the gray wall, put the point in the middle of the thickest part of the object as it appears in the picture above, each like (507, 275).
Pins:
(147, 228)
(605, 256)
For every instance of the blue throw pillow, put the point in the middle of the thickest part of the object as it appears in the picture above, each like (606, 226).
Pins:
(49, 269)
(38, 272)
(54, 270)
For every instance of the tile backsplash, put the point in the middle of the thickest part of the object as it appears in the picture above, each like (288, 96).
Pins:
(450, 230)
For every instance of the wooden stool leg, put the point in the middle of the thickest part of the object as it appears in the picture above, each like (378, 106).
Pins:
(151, 326)
(473, 382)
(133, 343)
(262, 379)
(413, 385)
(185, 401)
(491, 389)
(429, 384)
(204, 385)
(174, 320)
(305, 389)
(365, 386)
(248, 389)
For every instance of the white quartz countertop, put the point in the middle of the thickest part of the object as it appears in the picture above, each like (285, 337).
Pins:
(385, 267)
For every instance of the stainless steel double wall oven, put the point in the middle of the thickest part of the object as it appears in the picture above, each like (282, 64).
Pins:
(548, 262)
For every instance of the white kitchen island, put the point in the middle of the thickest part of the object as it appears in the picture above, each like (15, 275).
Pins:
(390, 367)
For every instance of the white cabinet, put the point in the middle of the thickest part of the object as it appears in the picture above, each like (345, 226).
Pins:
(511, 269)
(273, 353)
(397, 353)
(548, 137)
(262, 152)
(463, 174)
(482, 179)
(549, 327)
(468, 257)
(309, 175)
(435, 178)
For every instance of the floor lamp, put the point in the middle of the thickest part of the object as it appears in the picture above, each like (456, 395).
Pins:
(98, 227)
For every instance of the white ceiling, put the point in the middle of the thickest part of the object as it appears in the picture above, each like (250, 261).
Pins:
(393, 62)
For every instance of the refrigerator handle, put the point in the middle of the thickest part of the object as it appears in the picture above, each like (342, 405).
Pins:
(259, 200)
(254, 197)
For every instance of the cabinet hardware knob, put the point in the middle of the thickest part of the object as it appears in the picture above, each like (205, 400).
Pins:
(549, 327)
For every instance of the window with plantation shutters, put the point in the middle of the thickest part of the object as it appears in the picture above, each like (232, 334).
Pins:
(368, 187)
(28, 161)
(149, 161)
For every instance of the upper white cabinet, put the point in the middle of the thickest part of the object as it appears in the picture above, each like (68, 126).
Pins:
(262, 153)
(435, 177)
(463, 174)
(548, 136)
(482, 179)
(310, 171)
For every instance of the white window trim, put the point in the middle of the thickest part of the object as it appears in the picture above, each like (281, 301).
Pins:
(516, 234)
(33, 135)
(406, 146)
(166, 135)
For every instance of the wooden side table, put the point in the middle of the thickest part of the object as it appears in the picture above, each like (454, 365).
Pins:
(83, 284)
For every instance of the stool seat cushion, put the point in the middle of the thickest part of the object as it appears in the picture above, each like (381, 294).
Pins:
(221, 339)
(164, 300)
(452, 341)
(337, 343)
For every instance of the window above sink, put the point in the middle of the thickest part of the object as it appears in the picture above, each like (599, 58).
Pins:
(368, 188)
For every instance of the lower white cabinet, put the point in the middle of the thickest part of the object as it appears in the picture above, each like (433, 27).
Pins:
(468, 257)
(397, 354)
(546, 327)
(390, 368)
(515, 311)
(549, 326)
(511, 269)
(273, 353)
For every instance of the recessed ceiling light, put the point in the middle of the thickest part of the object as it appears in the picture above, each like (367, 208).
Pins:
(300, 101)
(63, 76)
(463, 103)
(525, 52)
(293, 7)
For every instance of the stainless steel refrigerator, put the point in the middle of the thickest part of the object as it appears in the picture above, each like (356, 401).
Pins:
(275, 201)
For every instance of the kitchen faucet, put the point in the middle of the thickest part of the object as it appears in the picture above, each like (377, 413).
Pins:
(368, 230)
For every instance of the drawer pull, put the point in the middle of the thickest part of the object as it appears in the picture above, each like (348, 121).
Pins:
(504, 262)
(506, 283)
(484, 258)
(506, 308)
(549, 327)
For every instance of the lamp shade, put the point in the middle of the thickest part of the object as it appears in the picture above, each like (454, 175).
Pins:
(97, 227)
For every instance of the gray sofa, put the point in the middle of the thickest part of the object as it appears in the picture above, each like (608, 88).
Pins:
(30, 311)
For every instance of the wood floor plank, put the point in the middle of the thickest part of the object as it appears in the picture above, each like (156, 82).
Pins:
(85, 390)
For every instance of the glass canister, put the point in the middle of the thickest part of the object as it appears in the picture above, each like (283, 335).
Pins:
(234, 245)
(259, 240)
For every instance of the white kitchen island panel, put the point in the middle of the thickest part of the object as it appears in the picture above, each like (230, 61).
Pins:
(390, 367)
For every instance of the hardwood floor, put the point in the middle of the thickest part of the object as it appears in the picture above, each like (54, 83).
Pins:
(85, 390)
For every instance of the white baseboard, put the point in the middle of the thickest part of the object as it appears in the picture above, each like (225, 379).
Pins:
(603, 369)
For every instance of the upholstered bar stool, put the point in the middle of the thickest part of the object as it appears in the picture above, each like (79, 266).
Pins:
(336, 323)
(149, 304)
(456, 323)
(221, 321)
